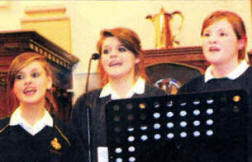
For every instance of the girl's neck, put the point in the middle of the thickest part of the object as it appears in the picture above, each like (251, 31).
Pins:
(32, 113)
(122, 85)
(222, 70)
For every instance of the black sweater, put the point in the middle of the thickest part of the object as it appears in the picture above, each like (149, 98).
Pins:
(97, 105)
(52, 144)
(242, 82)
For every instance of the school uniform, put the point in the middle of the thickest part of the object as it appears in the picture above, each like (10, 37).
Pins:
(97, 100)
(239, 78)
(48, 140)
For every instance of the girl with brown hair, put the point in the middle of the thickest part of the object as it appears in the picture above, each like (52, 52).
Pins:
(31, 133)
(122, 75)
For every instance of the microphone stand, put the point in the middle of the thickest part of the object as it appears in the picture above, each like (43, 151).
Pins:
(95, 56)
(89, 133)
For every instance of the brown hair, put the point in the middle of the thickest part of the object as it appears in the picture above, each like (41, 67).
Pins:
(16, 65)
(130, 40)
(235, 21)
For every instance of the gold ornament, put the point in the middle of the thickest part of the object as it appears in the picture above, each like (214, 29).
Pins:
(55, 144)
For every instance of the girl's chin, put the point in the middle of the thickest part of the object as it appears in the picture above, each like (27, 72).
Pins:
(32, 101)
(213, 60)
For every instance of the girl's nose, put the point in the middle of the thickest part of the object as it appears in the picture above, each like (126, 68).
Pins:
(113, 53)
(28, 81)
(213, 39)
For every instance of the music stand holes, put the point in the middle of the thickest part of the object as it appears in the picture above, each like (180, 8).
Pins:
(182, 103)
(209, 111)
(236, 98)
(196, 102)
(144, 127)
(131, 149)
(169, 120)
(183, 124)
(157, 136)
(170, 125)
(130, 117)
(183, 134)
(209, 122)
(119, 160)
(196, 123)
(169, 104)
(116, 107)
(209, 132)
(132, 159)
(196, 112)
(209, 101)
(156, 115)
(129, 106)
(170, 135)
(156, 105)
(223, 99)
(236, 109)
(118, 140)
(169, 114)
(196, 133)
(156, 126)
(183, 113)
(130, 129)
(144, 137)
(118, 150)
(116, 118)
(117, 129)
(131, 138)
(143, 116)
(142, 106)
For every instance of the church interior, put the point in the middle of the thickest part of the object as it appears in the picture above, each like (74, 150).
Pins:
(66, 32)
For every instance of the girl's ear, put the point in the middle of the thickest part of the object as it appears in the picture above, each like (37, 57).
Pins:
(242, 43)
(137, 60)
(49, 84)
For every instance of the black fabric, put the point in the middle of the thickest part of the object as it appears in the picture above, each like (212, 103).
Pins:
(52, 144)
(242, 82)
(98, 125)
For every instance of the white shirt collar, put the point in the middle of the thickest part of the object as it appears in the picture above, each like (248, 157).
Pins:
(238, 71)
(138, 88)
(17, 119)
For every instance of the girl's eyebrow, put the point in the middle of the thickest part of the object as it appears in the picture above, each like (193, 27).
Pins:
(206, 31)
(221, 29)
(32, 70)
(35, 69)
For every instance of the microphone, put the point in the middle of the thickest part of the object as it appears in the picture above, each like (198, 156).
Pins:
(94, 56)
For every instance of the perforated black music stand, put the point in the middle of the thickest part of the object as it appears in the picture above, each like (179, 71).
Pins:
(205, 127)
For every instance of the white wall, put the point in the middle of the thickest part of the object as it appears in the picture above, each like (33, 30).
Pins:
(90, 17)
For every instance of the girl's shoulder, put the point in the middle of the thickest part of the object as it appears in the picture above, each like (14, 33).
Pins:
(192, 85)
(153, 91)
(4, 123)
(249, 70)
(63, 128)
(90, 94)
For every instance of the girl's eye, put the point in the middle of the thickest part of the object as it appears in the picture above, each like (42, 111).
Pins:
(223, 34)
(206, 34)
(105, 51)
(122, 49)
(35, 75)
(19, 77)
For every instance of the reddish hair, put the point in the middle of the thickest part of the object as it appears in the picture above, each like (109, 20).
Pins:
(131, 41)
(18, 64)
(236, 23)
